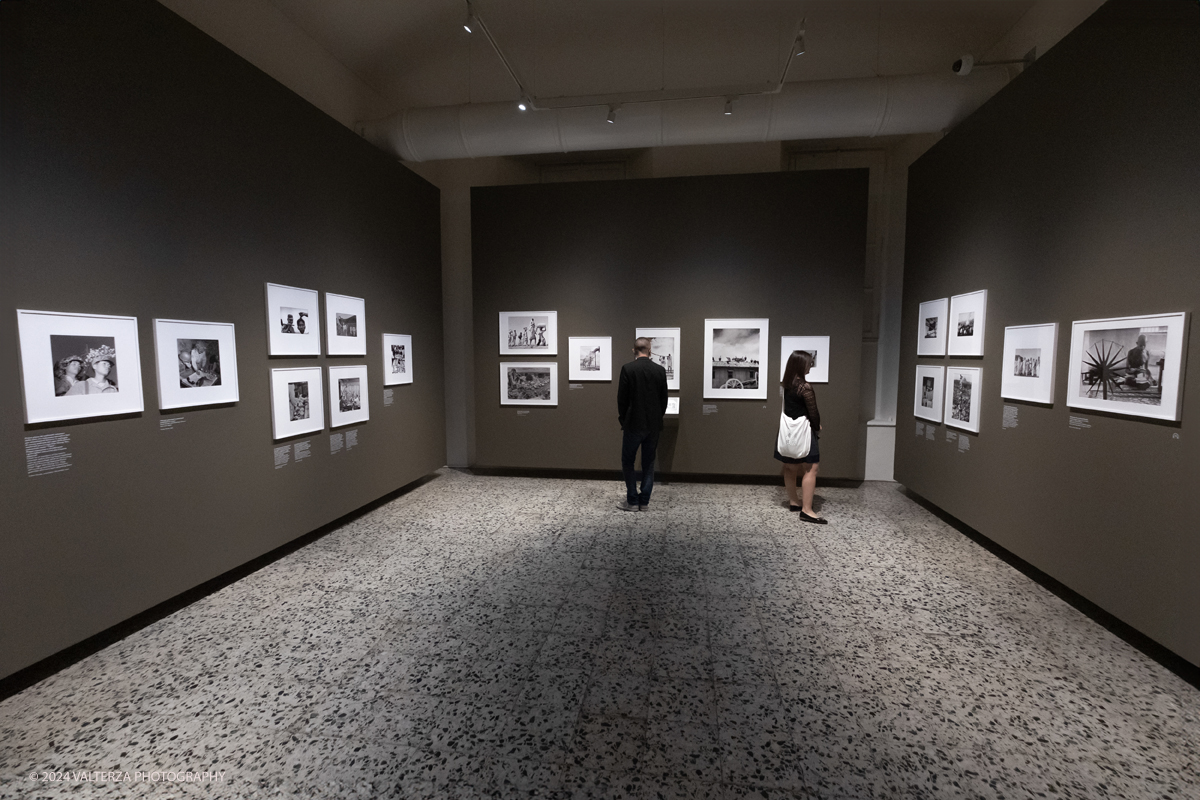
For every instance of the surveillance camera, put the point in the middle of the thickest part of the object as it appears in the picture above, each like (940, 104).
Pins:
(963, 65)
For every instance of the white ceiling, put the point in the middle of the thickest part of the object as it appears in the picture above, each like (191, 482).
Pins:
(362, 59)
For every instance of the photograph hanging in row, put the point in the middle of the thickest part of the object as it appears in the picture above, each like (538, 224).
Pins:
(529, 383)
(816, 346)
(528, 333)
(735, 357)
(397, 359)
(589, 358)
(75, 366)
(664, 351)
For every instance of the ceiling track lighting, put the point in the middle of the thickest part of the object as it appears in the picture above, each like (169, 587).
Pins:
(526, 102)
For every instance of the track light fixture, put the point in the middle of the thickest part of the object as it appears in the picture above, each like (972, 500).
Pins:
(612, 115)
(469, 22)
(964, 65)
(524, 103)
(728, 106)
(799, 46)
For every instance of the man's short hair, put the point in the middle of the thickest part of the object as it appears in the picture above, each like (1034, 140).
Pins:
(642, 345)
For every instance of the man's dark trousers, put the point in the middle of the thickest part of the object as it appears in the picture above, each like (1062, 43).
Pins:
(648, 441)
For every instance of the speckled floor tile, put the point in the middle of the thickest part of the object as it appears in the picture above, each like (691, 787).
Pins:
(710, 650)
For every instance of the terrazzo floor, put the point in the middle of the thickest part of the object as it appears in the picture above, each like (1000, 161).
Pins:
(497, 637)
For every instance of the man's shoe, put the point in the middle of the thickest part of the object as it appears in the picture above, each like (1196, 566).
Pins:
(625, 505)
(643, 509)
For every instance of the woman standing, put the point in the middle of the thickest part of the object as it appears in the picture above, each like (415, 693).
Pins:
(799, 399)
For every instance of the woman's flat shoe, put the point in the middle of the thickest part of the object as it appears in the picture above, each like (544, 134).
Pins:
(794, 508)
(816, 520)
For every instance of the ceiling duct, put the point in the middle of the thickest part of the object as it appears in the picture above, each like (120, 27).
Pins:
(831, 109)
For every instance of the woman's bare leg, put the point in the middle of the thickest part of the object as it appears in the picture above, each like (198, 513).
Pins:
(790, 473)
(808, 485)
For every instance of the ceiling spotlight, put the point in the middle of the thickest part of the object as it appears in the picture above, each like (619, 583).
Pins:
(523, 104)
(728, 106)
(612, 115)
(799, 46)
(469, 22)
(963, 65)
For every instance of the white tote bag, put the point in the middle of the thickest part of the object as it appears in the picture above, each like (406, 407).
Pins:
(795, 436)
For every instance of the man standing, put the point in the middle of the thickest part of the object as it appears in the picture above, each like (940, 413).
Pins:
(641, 403)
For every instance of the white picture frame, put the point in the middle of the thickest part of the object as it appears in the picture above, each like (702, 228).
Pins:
(931, 327)
(967, 324)
(735, 358)
(927, 393)
(964, 397)
(104, 378)
(349, 398)
(672, 407)
(1102, 377)
(1027, 369)
(297, 401)
(528, 333)
(664, 351)
(818, 346)
(589, 358)
(527, 383)
(195, 363)
(293, 321)
(345, 325)
(398, 363)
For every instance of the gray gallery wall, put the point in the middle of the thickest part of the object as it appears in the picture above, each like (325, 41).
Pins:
(1072, 195)
(148, 171)
(612, 256)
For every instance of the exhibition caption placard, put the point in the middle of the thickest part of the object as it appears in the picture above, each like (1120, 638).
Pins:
(47, 454)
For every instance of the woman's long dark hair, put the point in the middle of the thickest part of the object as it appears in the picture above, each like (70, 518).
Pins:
(798, 365)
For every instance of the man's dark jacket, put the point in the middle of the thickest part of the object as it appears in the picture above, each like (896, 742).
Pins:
(642, 396)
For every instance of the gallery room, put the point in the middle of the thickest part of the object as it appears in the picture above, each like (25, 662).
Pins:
(612, 398)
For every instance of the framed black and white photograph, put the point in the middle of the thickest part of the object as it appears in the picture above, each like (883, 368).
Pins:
(672, 407)
(1028, 365)
(348, 395)
(297, 401)
(345, 325)
(1129, 365)
(78, 365)
(927, 395)
(964, 395)
(735, 357)
(816, 346)
(292, 321)
(397, 359)
(589, 358)
(664, 351)
(528, 333)
(529, 384)
(968, 321)
(931, 327)
(196, 362)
